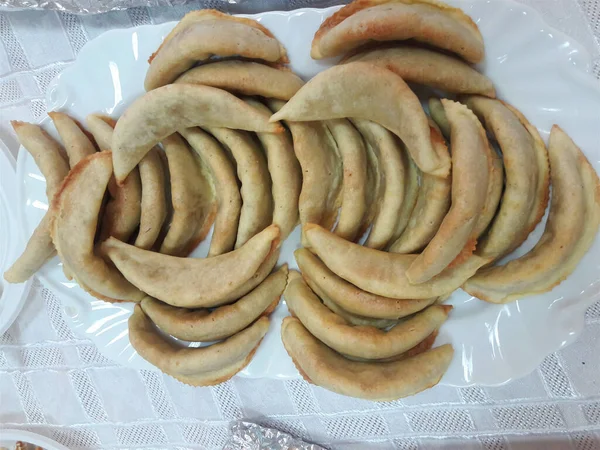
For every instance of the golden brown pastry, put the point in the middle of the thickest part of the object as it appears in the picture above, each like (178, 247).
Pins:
(496, 178)
(351, 318)
(246, 78)
(192, 197)
(192, 282)
(354, 300)
(202, 325)
(252, 170)
(263, 271)
(359, 90)
(375, 380)
(354, 166)
(153, 211)
(75, 210)
(392, 163)
(359, 341)
(428, 21)
(429, 68)
(101, 127)
(522, 196)
(432, 204)
(48, 154)
(494, 194)
(316, 150)
(75, 140)
(163, 111)
(204, 366)
(542, 193)
(77, 143)
(50, 157)
(123, 210)
(411, 194)
(384, 273)
(201, 35)
(375, 187)
(438, 115)
(471, 162)
(229, 199)
(570, 231)
(286, 175)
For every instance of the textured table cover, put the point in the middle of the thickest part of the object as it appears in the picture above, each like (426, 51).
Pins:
(56, 384)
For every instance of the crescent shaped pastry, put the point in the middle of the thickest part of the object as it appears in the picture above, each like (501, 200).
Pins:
(542, 193)
(429, 21)
(140, 199)
(358, 341)
(75, 210)
(411, 194)
(77, 145)
(48, 154)
(421, 347)
(203, 366)
(229, 199)
(354, 184)
(263, 272)
(570, 231)
(216, 34)
(360, 90)
(432, 204)
(124, 208)
(51, 160)
(192, 282)
(393, 165)
(494, 194)
(471, 162)
(375, 186)
(428, 68)
(384, 273)
(286, 175)
(38, 250)
(192, 196)
(316, 150)
(202, 325)
(76, 142)
(354, 319)
(163, 111)
(252, 170)
(438, 115)
(246, 78)
(510, 227)
(101, 127)
(154, 199)
(376, 380)
(352, 299)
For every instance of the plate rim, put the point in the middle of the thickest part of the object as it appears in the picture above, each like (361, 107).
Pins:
(19, 290)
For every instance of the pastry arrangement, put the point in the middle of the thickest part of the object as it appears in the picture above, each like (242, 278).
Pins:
(400, 204)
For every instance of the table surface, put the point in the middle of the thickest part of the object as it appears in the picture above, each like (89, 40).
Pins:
(54, 383)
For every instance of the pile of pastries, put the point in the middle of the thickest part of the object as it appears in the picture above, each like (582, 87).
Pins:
(400, 204)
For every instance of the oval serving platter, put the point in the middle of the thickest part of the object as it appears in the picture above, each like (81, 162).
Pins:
(539, 70)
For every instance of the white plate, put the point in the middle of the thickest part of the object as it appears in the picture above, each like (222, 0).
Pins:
(12, 296)
(537, 69)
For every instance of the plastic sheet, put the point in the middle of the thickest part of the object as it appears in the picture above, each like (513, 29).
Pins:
(251, 436)
(89, 6)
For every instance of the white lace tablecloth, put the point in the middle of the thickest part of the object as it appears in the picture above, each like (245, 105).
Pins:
(56, 384)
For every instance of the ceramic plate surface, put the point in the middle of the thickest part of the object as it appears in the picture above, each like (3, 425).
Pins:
(12, 296)
(539, 70)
